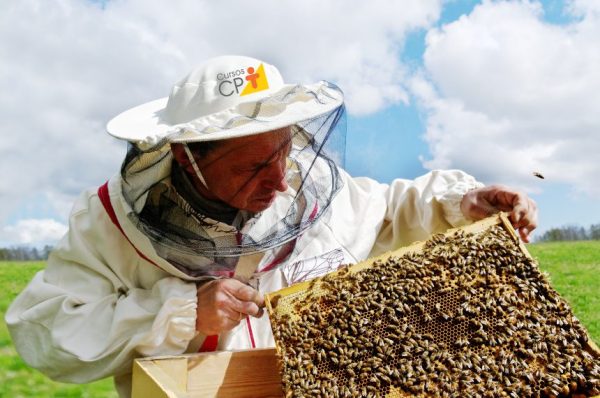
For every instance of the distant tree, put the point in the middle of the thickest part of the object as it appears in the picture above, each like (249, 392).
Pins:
(578, 233)
(551, 235)
(594, 232)
(20, 253)
(46, 252)
(34, 254)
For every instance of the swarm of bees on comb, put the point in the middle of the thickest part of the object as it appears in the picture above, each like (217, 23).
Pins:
(469, 315)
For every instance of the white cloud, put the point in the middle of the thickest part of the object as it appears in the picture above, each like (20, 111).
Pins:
(35, 232)
(68, 66)
(583, 7)
(507, 94)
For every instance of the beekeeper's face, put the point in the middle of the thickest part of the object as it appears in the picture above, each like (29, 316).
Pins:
(244, 172)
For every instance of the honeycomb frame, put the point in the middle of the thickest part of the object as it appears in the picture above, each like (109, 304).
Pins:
(429, 310)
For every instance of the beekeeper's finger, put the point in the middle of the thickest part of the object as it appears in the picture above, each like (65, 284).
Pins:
(244, 292)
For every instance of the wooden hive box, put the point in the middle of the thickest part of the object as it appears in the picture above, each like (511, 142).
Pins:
(243, 374)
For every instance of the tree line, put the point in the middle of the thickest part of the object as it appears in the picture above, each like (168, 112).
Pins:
(570, 232)
(24, 253)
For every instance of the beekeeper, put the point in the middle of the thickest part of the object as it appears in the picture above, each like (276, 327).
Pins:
(232, 187)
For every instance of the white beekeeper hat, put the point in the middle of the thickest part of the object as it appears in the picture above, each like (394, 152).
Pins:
(226, 97)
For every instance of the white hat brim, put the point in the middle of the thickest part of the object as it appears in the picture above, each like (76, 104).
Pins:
(146, 126)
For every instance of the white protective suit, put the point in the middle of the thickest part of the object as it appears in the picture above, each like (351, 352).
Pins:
(99, 303)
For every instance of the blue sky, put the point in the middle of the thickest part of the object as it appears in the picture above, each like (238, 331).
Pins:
(497, 88)
(557, 202)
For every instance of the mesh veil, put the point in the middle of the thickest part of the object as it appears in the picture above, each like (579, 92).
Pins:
(201, 245)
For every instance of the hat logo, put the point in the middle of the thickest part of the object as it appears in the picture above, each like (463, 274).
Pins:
(232, 82)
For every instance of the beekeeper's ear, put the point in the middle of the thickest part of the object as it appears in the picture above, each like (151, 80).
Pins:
(179, 154)
(183, 156)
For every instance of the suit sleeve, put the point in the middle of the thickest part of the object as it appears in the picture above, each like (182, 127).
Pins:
(86, 316)
(415, 209)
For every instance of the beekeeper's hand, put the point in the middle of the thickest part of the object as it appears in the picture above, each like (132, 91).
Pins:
(483, 202)
(223, 303)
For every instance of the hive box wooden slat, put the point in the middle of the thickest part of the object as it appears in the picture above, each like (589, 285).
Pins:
(243, 374)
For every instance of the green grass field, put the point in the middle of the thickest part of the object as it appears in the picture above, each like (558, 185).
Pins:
(16, 379)
(574, 270)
